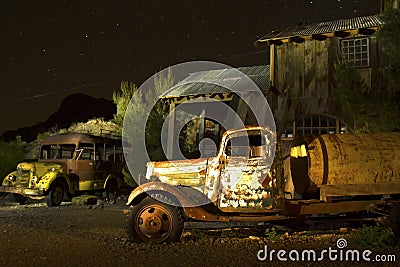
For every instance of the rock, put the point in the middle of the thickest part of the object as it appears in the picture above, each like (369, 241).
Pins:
(84, 200)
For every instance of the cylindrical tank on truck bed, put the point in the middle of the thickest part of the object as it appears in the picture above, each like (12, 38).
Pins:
(344, 159)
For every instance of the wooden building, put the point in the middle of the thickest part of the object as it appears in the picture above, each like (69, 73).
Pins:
(302, 68)
(302, 60)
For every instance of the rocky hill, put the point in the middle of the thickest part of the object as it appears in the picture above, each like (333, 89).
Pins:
(74, 108)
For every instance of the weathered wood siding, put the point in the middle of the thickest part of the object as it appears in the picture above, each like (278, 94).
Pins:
(304, 73)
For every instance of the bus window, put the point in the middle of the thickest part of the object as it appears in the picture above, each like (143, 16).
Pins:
(99, 151)
(65, 151)
(85, 151)
(110, 152)
(119, 156)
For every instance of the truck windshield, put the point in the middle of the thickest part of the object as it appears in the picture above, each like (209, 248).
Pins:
(246, 146)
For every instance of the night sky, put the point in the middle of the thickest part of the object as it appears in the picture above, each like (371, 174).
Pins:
(53, 48)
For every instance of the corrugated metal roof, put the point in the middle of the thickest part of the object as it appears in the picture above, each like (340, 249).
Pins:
(326, 27)
(218, 81)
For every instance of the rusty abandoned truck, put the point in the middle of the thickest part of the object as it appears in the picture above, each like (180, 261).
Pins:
(68, 165)
(328, 174)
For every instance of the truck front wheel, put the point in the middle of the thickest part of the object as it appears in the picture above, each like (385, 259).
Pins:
(153, 221)
(55, 195)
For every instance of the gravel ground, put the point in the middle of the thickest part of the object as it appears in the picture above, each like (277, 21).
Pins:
(35, 235)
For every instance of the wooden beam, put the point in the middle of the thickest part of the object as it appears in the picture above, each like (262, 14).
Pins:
(303, 208)
(327, 191)
(366, 31)
(342, 34)
(319, 37)
(296, 39)
(275, 42)
(205, 97)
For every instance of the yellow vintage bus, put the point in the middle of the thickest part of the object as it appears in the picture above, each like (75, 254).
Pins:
(68, 165)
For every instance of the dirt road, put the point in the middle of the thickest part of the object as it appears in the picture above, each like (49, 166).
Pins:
(35, 235)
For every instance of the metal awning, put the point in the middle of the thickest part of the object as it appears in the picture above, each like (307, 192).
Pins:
(360, 25)
(219, 82)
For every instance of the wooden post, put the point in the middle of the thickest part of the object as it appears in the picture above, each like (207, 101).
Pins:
(201, 127)
(171, 130)
(272, 64)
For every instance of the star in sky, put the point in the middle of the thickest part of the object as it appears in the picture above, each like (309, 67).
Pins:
(53, 47)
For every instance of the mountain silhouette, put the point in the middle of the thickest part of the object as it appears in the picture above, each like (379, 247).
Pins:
(74, 108)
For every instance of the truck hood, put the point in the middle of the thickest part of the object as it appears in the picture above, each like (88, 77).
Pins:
(191, 172)
(37, 169)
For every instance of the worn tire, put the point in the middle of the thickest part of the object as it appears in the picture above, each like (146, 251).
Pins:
(20, 199)
(154, 221)
(394, 219)
(112, 192)
(55, 195)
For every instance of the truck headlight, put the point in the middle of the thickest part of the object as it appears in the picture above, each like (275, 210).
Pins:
(12, 178)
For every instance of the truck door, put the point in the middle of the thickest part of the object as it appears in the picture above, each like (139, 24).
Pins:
(246, 183)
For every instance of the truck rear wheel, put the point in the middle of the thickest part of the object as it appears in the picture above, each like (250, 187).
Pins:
(111, 192)
(152, 221)
(55, 195)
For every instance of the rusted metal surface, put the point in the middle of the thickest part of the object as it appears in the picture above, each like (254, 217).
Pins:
(237, 179)
(201, 83)
(180, 172)
(74, 138)
(296, 208)
(346, 159)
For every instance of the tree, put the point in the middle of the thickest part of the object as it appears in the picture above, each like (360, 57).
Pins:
(158, 114)
(373, 109)
(121, 99)
(143, 118)
(390, 39)
(11, 154)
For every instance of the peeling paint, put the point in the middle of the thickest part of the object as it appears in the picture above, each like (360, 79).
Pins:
(238, 177)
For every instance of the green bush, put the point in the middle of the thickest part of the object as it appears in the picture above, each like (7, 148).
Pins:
(374, 236)
(272, 234)
(10, 155)
(128, 179)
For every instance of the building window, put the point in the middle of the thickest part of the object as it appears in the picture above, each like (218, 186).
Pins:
(316, 125)
(356, 51)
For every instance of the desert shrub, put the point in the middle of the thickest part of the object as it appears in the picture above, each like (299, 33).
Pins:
(374, 236)
(272, 234)
(11, 154)
(98, 127)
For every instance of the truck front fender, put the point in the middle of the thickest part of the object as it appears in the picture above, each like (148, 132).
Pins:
(9, 180)
(185, 196)
(47, 179)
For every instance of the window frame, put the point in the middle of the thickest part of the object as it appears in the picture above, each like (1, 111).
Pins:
(348, 43)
